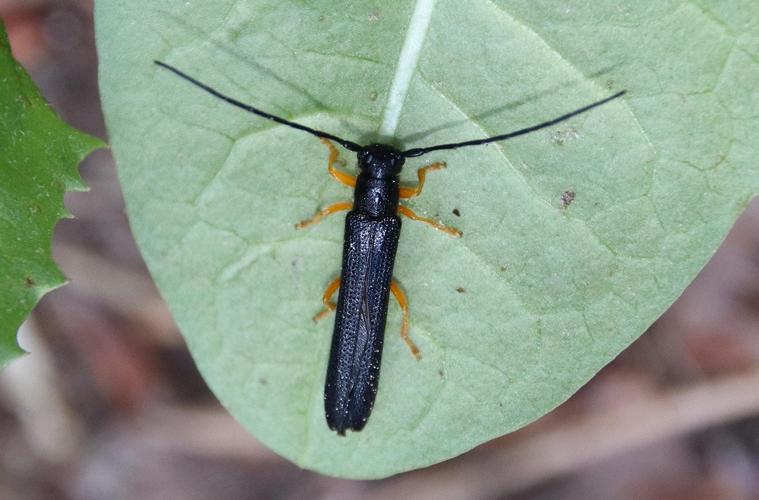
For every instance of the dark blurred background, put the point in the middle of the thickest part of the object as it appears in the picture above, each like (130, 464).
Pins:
(110, 406)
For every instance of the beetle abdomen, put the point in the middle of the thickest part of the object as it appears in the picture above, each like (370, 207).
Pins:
(354, 362)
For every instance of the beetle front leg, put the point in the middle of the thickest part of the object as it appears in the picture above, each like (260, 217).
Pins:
(410, 192)
(340, 176)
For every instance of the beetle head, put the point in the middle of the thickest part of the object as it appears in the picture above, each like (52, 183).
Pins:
(380, 161)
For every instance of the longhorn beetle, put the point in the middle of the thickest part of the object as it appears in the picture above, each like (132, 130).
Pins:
(372, 229)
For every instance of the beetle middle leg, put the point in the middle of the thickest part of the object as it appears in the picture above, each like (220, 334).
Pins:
(413, 216)
(328, 210)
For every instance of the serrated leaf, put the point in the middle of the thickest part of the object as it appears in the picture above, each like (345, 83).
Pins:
(39, 154)
(575, 238)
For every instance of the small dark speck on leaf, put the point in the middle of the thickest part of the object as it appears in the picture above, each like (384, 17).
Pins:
(504, 267)
(263, 381)
(461, 289)
(29, 282)
(560, 137)
(373, 95)
(440, 372)
(321, 18)
(567, 197)
(456, 212)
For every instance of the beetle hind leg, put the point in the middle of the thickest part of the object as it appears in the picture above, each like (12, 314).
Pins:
(329, 306)
(403, 303)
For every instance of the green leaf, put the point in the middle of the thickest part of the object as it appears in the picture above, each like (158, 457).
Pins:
(576, 238)
(39, 154)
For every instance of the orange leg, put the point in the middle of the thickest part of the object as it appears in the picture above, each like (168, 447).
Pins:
(340, 176)
(410, 192)
(411, 215)
(329, 306)
(403, 303)
(328, 210)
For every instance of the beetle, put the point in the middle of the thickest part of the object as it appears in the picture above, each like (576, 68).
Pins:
(372, 230)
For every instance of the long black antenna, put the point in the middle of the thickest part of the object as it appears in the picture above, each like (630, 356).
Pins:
(352, 146)
(420, 151)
